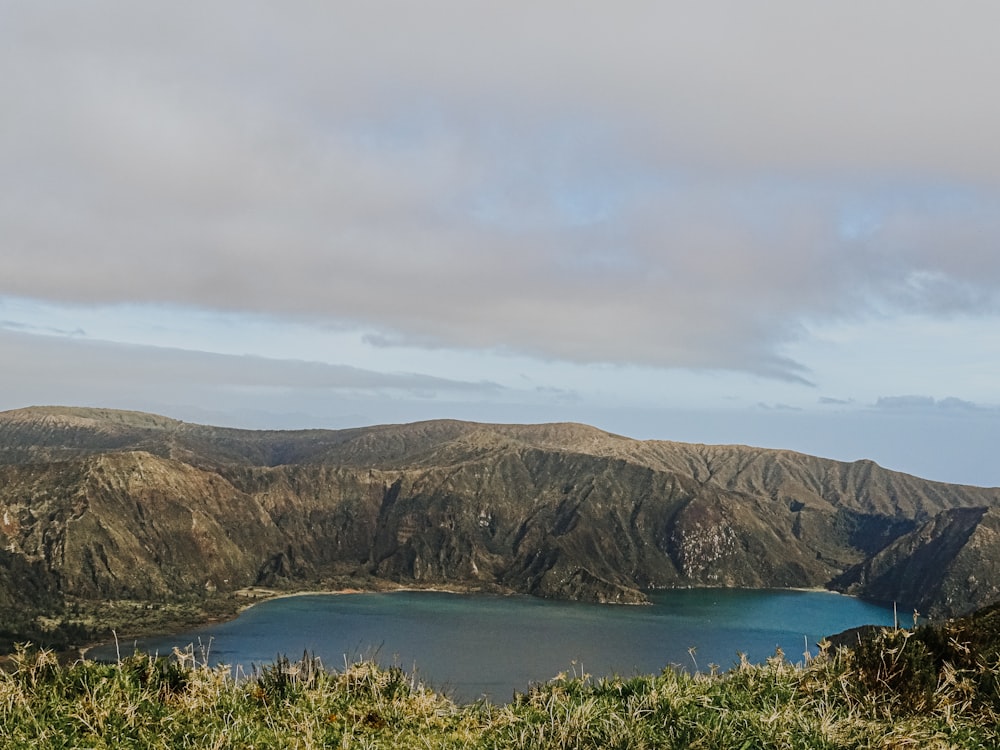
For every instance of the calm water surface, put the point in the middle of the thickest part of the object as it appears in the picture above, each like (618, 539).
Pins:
(475, 645)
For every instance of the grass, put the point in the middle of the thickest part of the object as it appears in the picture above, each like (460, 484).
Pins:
(897, 689)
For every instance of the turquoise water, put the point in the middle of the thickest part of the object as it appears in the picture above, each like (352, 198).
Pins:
(475, 645)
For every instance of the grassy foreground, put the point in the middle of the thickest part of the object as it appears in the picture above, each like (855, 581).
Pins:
(898, 689)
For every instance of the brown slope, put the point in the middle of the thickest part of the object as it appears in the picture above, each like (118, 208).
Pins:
(860, 487)
(40, 434)
(544, 520)
(783, 476)
(557, 510)
(946, 566)
(132, 525)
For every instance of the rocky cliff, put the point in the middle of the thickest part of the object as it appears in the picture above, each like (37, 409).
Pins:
(106, 504)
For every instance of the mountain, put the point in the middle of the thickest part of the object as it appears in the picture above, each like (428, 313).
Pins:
(106, 505)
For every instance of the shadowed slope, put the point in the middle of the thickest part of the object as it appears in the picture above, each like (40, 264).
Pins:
(122, 504)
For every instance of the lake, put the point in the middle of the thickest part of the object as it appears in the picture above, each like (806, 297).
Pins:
(471, 645)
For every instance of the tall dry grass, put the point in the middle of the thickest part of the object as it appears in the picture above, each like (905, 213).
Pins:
(896, 691)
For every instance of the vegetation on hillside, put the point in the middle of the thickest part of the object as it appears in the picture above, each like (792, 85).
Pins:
(928, 688)
(80, 623)
(105, 506)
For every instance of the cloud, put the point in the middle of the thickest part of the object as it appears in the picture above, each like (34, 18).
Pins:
(777, 407)
(925, 403)
(663, 185)
(86, 369)
(830, 401)
(16, 325)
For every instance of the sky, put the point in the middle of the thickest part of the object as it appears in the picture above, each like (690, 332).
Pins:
(769, 223)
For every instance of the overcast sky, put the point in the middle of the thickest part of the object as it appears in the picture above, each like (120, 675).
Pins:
(774, 223)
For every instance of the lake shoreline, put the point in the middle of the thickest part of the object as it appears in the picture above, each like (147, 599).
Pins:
(462, 640)
(237, 602)
(275, 594)
(232, 604)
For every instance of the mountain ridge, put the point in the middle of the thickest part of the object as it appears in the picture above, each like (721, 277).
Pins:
(105, 504)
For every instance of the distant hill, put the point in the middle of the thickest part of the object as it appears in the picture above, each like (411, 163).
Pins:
(106, 504)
